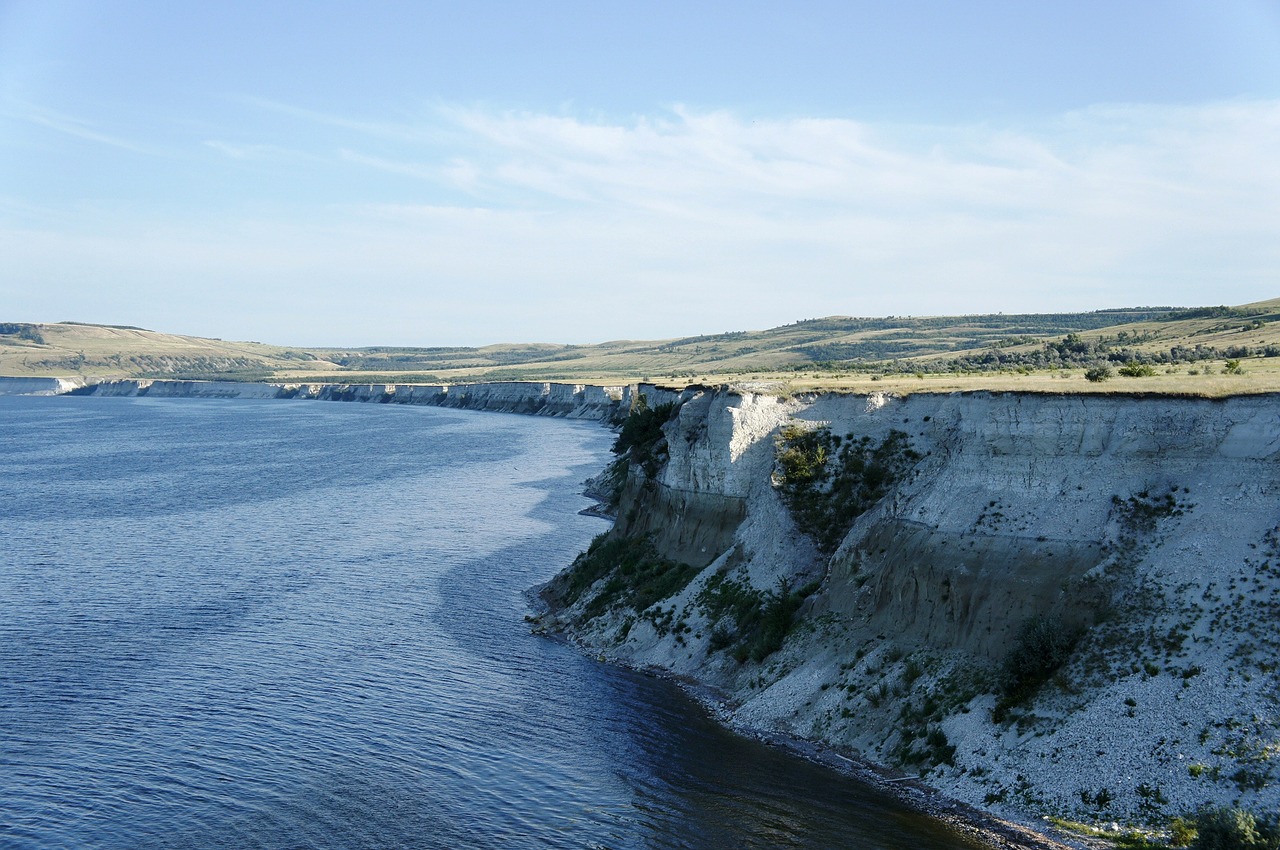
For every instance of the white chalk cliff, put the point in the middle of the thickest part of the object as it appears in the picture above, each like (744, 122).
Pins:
(1147, 526)
(570, 401)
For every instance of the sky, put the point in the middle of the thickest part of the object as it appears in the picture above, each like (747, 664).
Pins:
(428, 173)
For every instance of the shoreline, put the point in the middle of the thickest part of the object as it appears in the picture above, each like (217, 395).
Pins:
(967, 821)
(971, 822)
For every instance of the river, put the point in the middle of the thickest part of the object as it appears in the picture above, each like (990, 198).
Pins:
(275, 624)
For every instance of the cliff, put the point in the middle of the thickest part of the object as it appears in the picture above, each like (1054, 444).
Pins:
(572, 401)
(1043, 605)
(37, 386)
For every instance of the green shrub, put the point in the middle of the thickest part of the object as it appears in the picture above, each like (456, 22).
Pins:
(828, 482)
(1141, 512)
(1182, 831)
(934, 749)
(1222, 828)
(761, 620)
(1097, 374)
(1134, 369)
(1043, 645)
(634, 575)
(641, 440)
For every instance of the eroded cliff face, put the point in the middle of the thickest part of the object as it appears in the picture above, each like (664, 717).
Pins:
(570, 401)
(37, 386)
(1139, 535)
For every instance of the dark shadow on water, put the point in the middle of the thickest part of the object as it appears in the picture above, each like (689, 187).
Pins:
(666, 774)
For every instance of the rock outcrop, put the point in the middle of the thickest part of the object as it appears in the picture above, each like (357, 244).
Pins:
(1062, 605)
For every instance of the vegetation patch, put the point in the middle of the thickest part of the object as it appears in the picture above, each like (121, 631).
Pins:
(641, 440)
(1142, 512)
(1134, 369)
(1043, 645)
(1097, 356)
(827, 481)
(1098, 374)
(30, 333)
(1222, 828)
(1125, 839)
(635, 575)
(747, 622)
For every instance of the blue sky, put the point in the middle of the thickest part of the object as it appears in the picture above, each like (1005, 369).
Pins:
(421, 173)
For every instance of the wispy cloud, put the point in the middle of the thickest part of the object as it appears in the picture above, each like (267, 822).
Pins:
(423, 171)
(249, 152)
(385, 129)
(72, 126)
(814, 166)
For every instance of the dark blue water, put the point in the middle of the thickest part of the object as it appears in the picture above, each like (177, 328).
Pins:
(300, 625)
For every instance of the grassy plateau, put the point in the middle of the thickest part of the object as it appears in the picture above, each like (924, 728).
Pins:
(1206, 351)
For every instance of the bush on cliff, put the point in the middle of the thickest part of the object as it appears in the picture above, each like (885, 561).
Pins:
(1222, 828)
(1043, 645)
(634, 575)
(828, 482)
(761, 619)
(641, 440)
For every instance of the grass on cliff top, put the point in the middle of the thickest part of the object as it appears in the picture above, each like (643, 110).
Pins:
(1261, 375)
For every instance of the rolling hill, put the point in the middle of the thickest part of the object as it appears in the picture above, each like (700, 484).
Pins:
(944, 352)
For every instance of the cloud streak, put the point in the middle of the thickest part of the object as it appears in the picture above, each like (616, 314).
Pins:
(71, 126)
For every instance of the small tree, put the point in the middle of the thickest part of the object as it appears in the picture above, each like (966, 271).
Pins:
(1042, 646)
(1134, 369)
(1097, 374)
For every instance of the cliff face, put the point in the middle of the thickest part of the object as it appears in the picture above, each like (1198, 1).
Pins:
(36, 386)
(179, 389)
(572, 401)
(1062, 604)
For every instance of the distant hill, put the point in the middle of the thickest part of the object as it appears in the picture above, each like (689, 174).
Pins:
(831, 346)
(67, 349)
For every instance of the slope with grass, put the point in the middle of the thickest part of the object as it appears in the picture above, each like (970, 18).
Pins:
(97, 352)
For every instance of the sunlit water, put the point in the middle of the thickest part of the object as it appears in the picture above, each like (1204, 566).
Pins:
(300, 625)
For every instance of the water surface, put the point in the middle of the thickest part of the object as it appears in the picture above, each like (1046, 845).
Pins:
(300, 625)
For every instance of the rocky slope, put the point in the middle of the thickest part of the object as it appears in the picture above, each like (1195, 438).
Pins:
(1044, 605)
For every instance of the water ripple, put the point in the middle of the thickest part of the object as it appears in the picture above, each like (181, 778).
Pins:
(279, 626)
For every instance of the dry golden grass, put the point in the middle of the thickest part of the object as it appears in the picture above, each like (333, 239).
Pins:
(1209, 381)
(99, 352)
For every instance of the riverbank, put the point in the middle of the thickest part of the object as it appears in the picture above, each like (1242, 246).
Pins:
(568, 401)
(972, 823)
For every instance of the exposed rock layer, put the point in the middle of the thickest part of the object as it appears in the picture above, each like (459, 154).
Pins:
(36, 386)
(1148, 526)
(572, 401)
